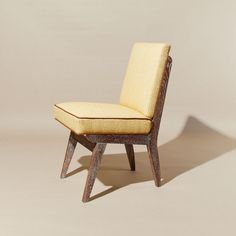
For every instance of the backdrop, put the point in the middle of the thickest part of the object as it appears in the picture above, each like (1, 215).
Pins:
(53, 51)
(77, 50)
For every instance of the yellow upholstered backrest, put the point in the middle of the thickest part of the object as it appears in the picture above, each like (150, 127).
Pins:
(143, 77)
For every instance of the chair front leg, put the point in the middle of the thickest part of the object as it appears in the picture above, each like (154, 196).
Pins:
(154, 160)
(68, 156)
(130, 154)
(93, 168)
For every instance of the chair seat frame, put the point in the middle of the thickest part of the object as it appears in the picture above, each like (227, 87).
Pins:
(96, 143)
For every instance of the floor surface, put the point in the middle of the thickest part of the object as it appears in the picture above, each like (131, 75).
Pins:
(197, 196)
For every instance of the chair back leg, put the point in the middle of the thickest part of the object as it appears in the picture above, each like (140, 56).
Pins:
(130, 154)
(154, 161)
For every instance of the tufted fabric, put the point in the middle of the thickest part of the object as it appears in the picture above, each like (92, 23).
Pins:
(143, 77)
(101, 118)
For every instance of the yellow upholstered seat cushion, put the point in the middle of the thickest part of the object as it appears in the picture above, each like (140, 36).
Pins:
(143, 77)
(101, 118)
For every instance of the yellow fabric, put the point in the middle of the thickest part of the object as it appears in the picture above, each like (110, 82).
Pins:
(101, 118)
(143, 77)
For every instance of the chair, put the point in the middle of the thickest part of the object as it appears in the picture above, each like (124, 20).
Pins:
(135, 120)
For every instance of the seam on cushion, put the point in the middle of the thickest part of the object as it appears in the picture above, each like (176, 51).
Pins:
(131, 108)
(148, 118)
(100, 118)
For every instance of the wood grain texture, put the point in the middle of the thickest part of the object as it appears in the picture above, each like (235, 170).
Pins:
(130, 154)
(69, 153)
(156, 120)
(118, 138)
(93, 168)
(154, 161)
(153, 135)
(84, 141)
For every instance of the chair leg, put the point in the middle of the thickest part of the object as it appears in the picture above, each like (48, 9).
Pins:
(154, 160)
(130, 153)
(93, 168)
(68, 156)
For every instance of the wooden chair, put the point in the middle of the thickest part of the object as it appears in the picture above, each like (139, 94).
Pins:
(135, 120)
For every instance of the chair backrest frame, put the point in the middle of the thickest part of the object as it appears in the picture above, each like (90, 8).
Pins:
(156, 120)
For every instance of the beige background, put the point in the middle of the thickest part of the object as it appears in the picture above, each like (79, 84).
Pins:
(53, 51)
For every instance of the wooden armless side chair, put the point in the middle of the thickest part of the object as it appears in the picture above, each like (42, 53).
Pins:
(135, 120)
